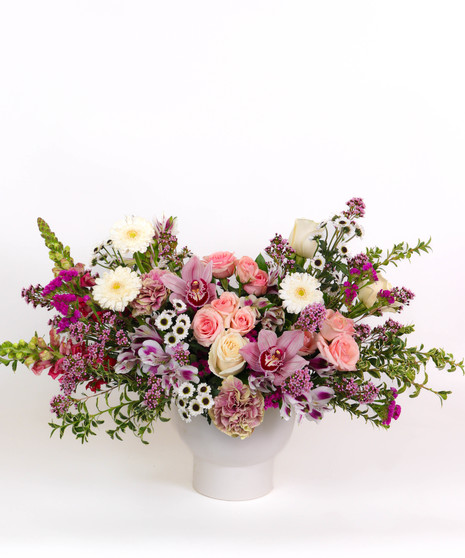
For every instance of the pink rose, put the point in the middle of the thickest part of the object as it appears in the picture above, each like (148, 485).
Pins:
(246, 268)
(259, 283)
(227, 304)
(343, 352)
(207, 325)
(242, 321)
(335, 324)
(310, 343)
(223, 264)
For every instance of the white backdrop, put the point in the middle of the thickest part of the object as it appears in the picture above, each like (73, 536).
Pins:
(237, 117)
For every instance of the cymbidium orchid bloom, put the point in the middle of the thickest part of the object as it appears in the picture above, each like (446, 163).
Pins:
(194, 286)
(273, 358)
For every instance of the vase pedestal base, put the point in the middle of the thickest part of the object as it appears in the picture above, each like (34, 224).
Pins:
(232, 483)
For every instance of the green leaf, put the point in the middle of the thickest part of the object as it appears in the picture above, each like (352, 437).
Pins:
(260, 261)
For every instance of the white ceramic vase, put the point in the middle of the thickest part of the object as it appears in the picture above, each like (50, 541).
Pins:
(228, 468)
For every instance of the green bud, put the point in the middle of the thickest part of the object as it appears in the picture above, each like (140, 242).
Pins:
(19, 356)
(41, 343)
(45, 355)
(65, 264)
(29, 361)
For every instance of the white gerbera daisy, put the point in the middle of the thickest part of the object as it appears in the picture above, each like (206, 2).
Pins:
(298, 290)
(164, 321)
(132, 234)
(206, 401)
(115, 289)
(195, 408)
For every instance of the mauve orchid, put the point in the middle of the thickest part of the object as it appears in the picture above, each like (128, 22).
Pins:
(194, 286)
(272, 358)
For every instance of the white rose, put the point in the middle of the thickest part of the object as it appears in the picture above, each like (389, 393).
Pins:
(368, 295)
(301, 237)
(224, 357)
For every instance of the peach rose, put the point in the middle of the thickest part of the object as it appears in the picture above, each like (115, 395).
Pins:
(224, 358)
(335, 324)
(227, 304)
(343, 352)
(242, 321)
(223, 264)
(246, 268)
(258, 285)
(310, 343)
(207, 325)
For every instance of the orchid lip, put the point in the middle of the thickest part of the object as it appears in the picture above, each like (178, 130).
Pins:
(271, 359)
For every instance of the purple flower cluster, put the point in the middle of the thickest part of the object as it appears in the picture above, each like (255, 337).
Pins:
(350, 292)
(362, 332)
(364, 394)
(33, 295)
(356, 208)
(298, 384)
(387, 296)
(281, 252)
(394, 410)
(60, 405)
(154, 393)
(403, 295)
(65, 276)
(361, 266)
(311, 317)
(181, 354)
(272, 399)
(389, 328)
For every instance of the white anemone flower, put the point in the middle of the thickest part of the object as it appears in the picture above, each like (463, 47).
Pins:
(298, 290)
(132, 234)
(115, 289)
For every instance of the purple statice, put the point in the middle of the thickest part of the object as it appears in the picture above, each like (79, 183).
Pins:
(311, 317)
(350, 292)
(65, 276)
(282, 253)
(60, 405)
(361, 267)
(154, 393)
(362, 332)
(367, 393)
(272, 399)
(358, 261)
(61, 302)
(403, 295)
(387, 296)
(356, 208)
(394, 410)
(298, 383)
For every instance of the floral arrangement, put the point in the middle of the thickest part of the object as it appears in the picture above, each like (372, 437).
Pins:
(149, 327)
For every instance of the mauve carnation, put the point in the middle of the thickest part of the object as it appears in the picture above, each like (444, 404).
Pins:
(152, 294)
(236, 410)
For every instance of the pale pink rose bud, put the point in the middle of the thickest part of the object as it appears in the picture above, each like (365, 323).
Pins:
(310, 343)
(242, 321)
(343, 352)
(246, 268)
(223, 264)
(207, 325)
(259, 283)
(227, 304)
(335, 324)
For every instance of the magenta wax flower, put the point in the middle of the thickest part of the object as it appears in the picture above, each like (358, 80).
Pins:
(194, 286)
(275, 358)
(236, 410)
